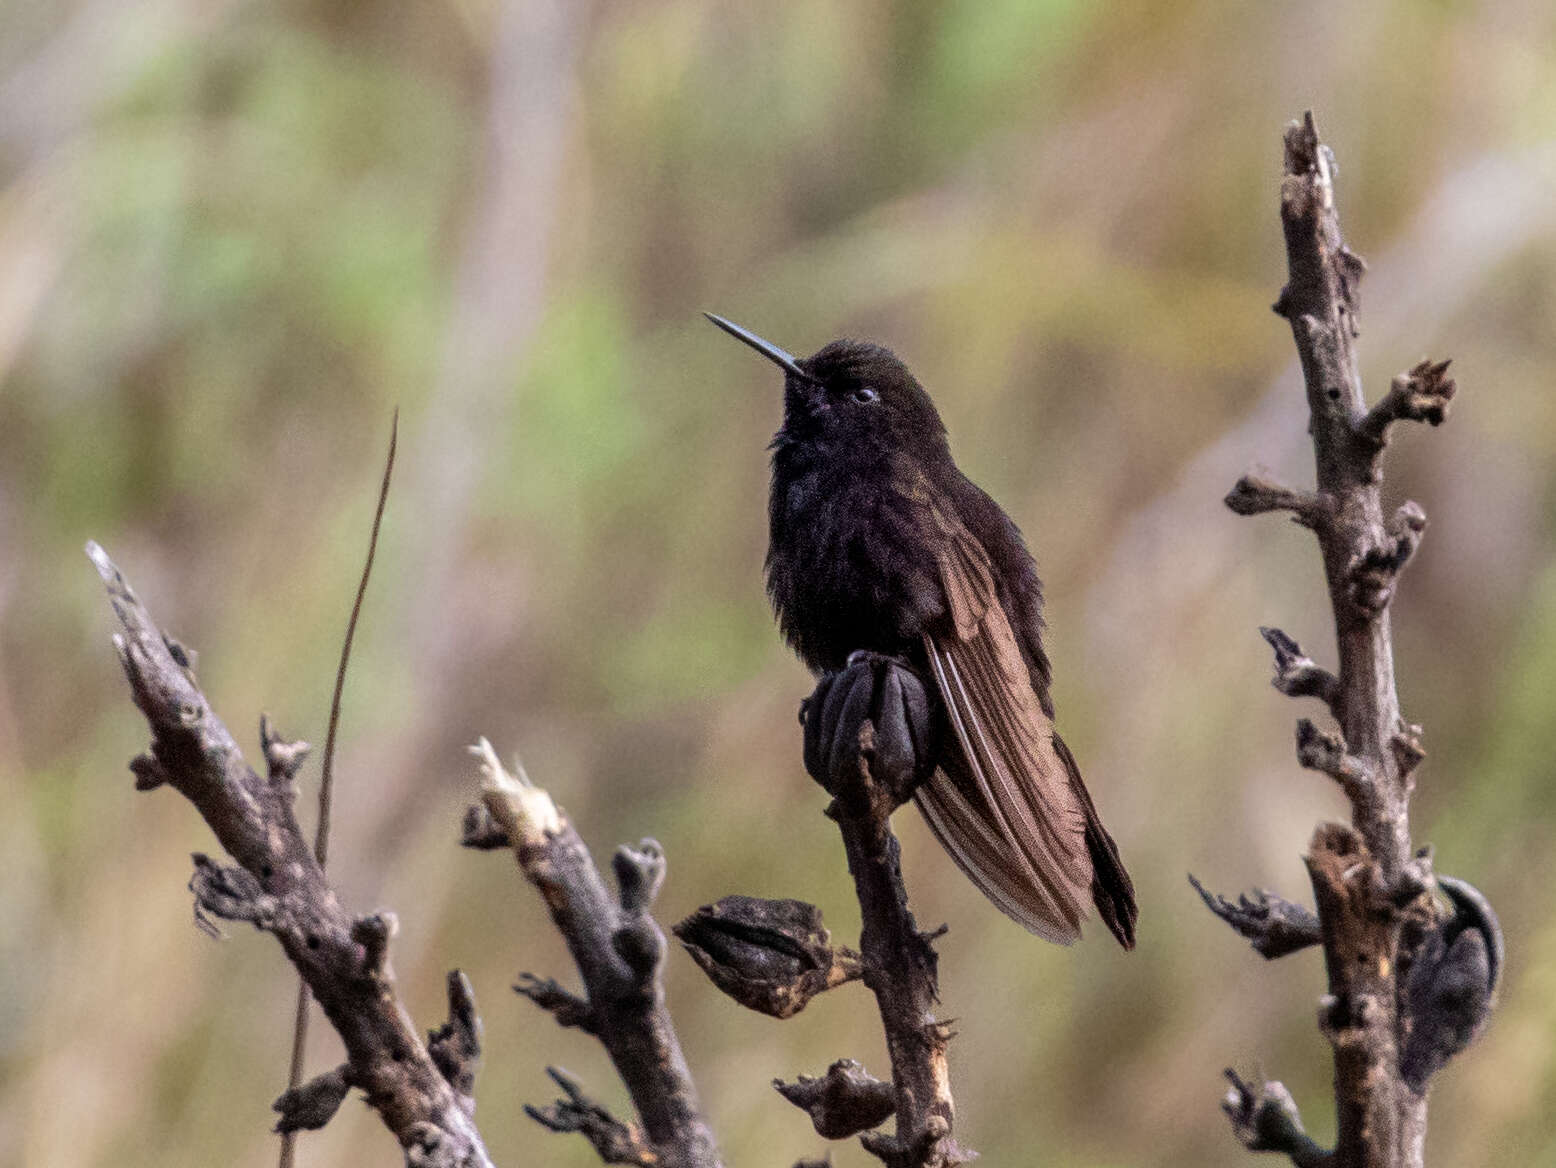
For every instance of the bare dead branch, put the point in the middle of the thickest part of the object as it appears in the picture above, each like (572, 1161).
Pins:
(278, 886)
(619, 951)
(1378, 922)
(1275, 926)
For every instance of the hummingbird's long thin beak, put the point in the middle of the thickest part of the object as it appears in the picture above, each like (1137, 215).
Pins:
(772, 352)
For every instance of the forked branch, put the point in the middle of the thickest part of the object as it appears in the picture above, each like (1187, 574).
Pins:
(422, 1090)
(619, 951)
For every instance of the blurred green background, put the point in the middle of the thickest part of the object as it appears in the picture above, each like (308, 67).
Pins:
(234, 236)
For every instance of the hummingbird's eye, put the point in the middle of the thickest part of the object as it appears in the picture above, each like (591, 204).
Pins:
(864, 395)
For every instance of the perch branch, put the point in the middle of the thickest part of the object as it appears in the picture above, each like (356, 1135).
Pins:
(869, 740)
(866, 743)
(901, 969)
(278, 886)
(619, 951)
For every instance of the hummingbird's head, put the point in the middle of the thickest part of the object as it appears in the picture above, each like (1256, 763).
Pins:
(851, 394)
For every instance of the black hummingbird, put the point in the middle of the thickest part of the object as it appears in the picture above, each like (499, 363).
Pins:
(877, 542)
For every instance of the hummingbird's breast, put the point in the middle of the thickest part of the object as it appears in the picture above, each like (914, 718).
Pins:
(850, 562)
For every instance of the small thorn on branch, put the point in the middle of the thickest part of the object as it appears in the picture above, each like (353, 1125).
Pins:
(373, 932)
(1318, 750)
(1414, 879)
(1371, 577)
(932, 1145)
(1296, 675)
(183, 656)
(1348, 1022)
(283, 759)
(1265, 1119)
(638, 940)
(1405, 526)
(1256, 493)
(312, 1105)
(149, 773)
(566, 1007)
(640, 873)
(1352, 268)
(455, 1046)
(231, 893)
(1407, 748)
(615, 1142)
(1422, 394)
(481, 831)
(1273, 925)
(845, 1101)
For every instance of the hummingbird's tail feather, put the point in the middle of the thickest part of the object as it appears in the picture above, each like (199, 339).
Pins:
(968, 838)
(1004, 804)
(1112, 891)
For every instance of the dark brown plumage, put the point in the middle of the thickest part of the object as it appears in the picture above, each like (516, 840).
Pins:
(878, 542)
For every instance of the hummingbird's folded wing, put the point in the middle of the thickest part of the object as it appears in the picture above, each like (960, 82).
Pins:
(1003, 805)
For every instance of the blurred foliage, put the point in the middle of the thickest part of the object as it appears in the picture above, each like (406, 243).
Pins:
(234, 236)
